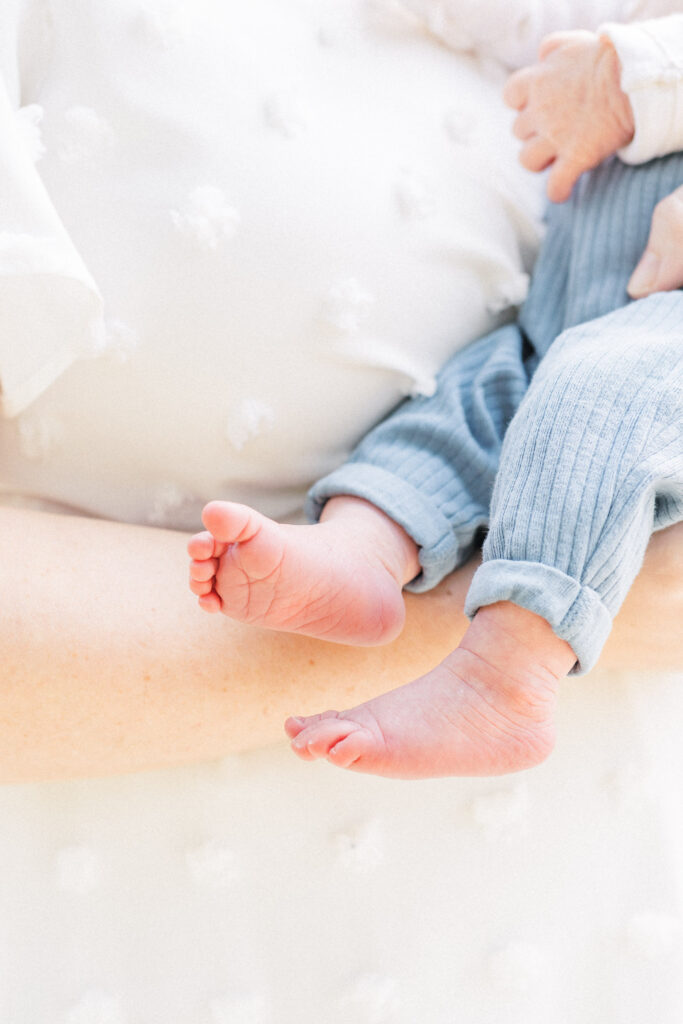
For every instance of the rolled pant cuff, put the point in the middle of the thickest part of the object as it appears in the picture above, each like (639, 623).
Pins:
(575, 612)
(407, 506)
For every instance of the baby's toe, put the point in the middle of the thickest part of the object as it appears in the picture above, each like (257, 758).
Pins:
(201, 546)
(201, 587)
(210, 602)
(230, 523)
(297, 723)
(319, 738)
(349, 750)
(294, 725)
(203, 570)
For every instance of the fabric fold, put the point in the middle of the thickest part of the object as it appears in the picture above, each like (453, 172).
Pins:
(52, 310)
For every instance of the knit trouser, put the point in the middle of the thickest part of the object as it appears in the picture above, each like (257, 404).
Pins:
(562, 434)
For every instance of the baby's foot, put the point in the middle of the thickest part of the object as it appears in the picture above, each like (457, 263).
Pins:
(486, 710)
(338, 580)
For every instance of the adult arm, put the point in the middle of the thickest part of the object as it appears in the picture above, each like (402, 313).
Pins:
(109, 666)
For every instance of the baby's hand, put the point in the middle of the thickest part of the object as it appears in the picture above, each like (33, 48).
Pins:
(572, 110)
(661, 266)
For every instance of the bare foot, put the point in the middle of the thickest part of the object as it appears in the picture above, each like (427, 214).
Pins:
(339, 580)
(487, 709)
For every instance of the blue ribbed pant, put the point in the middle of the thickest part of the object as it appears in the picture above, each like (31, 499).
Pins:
(561, 435)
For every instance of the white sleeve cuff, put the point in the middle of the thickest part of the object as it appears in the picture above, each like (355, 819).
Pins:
(651, 57)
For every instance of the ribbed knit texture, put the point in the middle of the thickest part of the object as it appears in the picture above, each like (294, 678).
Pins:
(563, 434)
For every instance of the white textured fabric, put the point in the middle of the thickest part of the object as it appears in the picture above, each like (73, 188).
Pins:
(180, 164)
(511, 30)
(651, 57)
(261, 890)
(284, 207)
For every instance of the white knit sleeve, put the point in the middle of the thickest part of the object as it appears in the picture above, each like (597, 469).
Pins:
(651, 57)
(50, 308)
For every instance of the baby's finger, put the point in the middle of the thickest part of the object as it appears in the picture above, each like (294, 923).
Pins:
(657, 273)
(517, 87)
(561, 180)
(524, 125)
(557, 39)
(537, 154)
(203, 570)
(550, 43)
(661, 266)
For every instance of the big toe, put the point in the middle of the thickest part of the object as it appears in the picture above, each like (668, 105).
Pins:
(231, 523)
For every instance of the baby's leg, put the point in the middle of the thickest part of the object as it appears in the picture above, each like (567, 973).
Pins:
(489, 707)
(591, 463)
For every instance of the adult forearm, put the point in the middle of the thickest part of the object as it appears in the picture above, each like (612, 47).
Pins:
(109, 667)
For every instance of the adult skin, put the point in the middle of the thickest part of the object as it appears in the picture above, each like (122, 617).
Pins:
(109, 666)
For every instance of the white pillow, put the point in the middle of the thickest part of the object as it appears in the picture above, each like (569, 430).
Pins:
(294, 213)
